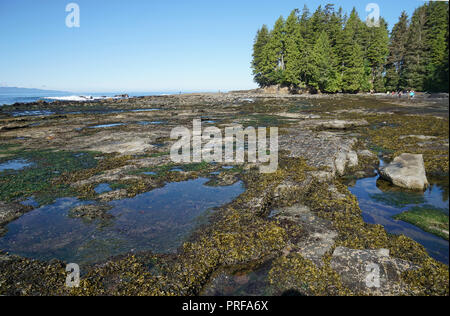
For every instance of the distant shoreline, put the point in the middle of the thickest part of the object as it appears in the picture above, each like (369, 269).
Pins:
(42, 103)
(50, 96)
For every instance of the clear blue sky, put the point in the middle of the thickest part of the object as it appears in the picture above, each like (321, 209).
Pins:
(144, 45)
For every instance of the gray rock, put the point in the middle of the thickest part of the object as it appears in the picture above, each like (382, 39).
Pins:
(326, 151)
(367, 153)
(353, 160)
(340, 163)
(406, 171)
(319, 236)
(343, 124)
(345, 159)
(322, 176)
(370, 271)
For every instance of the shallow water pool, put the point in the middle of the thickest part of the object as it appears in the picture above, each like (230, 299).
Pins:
(16, 164)
(380, 206)
(106, 125)
(157, 221)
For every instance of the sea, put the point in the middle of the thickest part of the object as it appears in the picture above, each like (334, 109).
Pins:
(28, 97)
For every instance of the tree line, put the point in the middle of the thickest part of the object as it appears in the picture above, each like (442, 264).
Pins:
(330, 52)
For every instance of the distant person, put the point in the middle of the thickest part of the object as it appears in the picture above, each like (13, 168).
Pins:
(412, 94)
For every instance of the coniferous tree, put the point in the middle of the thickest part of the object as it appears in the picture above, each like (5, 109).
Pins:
(317, 24)
(325, 76)
(330, 52)
(334, 25)
(294, 48)
(352, 65)
(397, 51)
(376, 54)
(274, 53)
(304, 21)
(414, 73)
(436, 28)
(261, 40)
(307, 41)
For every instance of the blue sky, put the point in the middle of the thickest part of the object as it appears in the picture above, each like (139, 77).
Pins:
(144, 45)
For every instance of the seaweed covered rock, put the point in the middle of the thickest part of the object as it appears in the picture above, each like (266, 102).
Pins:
(406, 171)
(305, 278)
(26, 277)
(370, 271)
(91, 212)
(10, 212)
(223, 179)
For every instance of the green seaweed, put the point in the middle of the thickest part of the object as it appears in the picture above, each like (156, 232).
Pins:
(428, 218)
(38, 179)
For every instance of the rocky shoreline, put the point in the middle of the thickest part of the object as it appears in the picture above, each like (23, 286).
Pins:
(316, 243)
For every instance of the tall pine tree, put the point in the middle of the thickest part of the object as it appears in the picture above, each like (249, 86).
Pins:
(397, 51)
(376, 53)
(294, 50)
(274, 53)
(436, 28)
(261, 40)
(325, 77)
(414, 73)
(352, 66)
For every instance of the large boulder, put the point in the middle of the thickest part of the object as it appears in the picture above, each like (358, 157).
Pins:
(406, 171)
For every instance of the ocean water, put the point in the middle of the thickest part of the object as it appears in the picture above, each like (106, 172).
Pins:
(11, 98)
